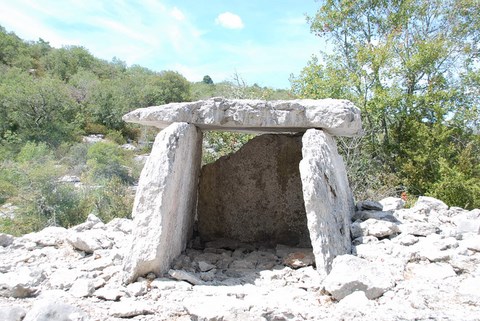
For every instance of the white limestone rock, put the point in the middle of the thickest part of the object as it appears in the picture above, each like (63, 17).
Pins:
(181, 275)
(129, 308)
(109, 293)
(91, 221)
(429, 271)
(337, 117)
(90, 240)
(12, 313)
(350, 273)
(63, 278)
(328, 200)
(82, 288)
(392, 203)
(427, 204)
(50, 310)
(418, 228)
(467, 222)
(164, 202)
(49, 236)
(21, 283)
(374, 227)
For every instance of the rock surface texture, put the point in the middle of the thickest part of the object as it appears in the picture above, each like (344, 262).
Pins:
(255, 194)
(401, 277)
(164, 205)
(338, 117)
(328, 200)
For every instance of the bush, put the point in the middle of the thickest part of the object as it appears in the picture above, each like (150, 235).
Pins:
(455, 188)
(106, 161)
(114, 199)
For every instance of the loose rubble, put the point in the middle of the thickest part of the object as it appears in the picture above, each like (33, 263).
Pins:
(420, 263)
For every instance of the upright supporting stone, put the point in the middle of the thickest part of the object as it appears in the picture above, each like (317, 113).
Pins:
(164, 204)
(328, 200)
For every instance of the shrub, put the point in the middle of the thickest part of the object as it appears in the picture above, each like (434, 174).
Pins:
(106, 161)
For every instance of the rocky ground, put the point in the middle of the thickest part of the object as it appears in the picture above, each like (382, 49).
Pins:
(421, 263)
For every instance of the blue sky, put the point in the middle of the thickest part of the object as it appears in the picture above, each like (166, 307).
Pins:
(263, 41)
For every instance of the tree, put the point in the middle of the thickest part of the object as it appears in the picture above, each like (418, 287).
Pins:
(207, 80)
(38, 109)
(404, 63)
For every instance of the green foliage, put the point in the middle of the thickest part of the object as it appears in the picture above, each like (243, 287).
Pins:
(207, 80)
(33, 183)
(412, 69)
(114, 199)
(217, 144)
(107, 161)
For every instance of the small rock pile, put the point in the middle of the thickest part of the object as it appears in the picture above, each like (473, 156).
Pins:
(407, 264)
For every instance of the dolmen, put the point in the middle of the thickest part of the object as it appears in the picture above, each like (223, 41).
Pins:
(288, 185)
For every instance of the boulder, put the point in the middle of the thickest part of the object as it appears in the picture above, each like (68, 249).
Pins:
(328, 200)
(164, 204)
(6, 239)
(337, 117)
(374, 227)
(90, 240)
(82, 288)
(350, 273)
(392, 203)
(369, 206)
(427, 204)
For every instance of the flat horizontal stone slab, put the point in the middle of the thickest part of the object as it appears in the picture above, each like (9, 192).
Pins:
(337, 117)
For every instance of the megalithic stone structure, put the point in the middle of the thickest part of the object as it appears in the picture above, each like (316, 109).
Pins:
(165, 204)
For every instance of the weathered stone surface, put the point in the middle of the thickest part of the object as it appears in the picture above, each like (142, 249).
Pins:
(327, 196)
(369, 206)
(164, 202)
(338, 117)
(82, 288)
(181, 275)
(12, 313)
(50, 310)
(374, 227)
(129, 308)
(21, 283)
(90, 240)
(350, 273)
(255, 195)
(392, 203)
(5, 239)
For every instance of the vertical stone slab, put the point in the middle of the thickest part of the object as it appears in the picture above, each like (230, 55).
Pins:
(328, 200)
(255, 194)
(163, 211)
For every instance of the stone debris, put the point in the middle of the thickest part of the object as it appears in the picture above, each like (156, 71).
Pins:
(338, 117)
(405, 275)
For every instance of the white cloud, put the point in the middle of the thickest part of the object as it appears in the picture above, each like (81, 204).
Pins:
(229, 20)
(177, 14)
